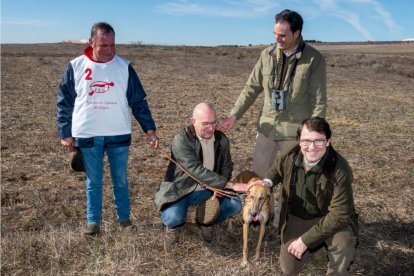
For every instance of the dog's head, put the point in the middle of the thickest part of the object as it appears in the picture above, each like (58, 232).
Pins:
(257, 191)
(257, 196)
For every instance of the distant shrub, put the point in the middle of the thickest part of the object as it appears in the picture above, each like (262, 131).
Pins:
(45, 61)
(378, 66)
(402, 66)
(138, 42)
(240, 56)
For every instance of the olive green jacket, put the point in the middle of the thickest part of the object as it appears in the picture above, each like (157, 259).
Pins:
(306, 96)
(186, 150)
(334, 195)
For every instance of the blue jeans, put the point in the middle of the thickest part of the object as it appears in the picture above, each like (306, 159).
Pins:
(175, 214)
(93, 161)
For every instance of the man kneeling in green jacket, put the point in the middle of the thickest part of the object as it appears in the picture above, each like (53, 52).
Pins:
(204, 153)
(317, 201)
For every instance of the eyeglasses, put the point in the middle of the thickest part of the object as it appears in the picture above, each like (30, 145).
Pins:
(206, 124)
(316, 143)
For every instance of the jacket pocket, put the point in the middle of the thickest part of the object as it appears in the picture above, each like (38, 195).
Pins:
(301, 81)
(324, 192)
(166, 193)
(118, 141)
(267, 78)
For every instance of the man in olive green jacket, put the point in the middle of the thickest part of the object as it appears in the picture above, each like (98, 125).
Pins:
(204, 153)
(317, 200)
(294, 67)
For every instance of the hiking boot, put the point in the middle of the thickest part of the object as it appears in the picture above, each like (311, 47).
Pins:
(125, 223)
(92, 230)
(207, 233)
(171, 236)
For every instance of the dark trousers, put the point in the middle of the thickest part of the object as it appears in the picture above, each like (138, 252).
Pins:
(340, 248)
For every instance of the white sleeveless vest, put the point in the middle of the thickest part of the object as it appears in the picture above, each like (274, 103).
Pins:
(101, 106)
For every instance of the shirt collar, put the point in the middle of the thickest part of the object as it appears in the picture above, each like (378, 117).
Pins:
(297, 50)
(290, 53)
(315, 169)
(206, 141)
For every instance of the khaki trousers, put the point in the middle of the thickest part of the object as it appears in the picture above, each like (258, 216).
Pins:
(340, 248)
(266, 150)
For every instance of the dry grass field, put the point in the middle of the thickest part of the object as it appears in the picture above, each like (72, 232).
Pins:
(371, 110)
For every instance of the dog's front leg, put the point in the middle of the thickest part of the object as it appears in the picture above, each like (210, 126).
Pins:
(259, 243)
(245, 243)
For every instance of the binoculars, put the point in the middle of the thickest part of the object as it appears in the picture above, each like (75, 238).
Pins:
(279, 99)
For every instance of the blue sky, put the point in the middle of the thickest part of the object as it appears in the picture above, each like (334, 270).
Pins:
(202, 22)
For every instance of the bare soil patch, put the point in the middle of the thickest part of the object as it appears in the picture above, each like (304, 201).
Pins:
(371, 109)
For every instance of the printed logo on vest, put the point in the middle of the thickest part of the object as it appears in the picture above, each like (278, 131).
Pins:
(100, 87)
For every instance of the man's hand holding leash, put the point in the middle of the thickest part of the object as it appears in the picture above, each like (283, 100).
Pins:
(152, 139)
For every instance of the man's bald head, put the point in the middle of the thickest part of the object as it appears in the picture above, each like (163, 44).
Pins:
(203, 108)
(204, 120)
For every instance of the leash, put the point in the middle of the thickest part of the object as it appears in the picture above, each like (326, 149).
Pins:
(205, 186)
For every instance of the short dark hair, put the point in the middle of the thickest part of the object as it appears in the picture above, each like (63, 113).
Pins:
(101, 26)
(293, 18)
(317, 124)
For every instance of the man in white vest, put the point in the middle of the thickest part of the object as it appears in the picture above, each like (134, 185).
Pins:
(94, 97)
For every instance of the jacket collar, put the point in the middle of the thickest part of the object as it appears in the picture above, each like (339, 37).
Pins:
(88, 53)
(325, 166)
(298, 53)
(315, 169)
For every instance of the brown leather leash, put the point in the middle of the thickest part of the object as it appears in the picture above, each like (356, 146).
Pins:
(205, 186)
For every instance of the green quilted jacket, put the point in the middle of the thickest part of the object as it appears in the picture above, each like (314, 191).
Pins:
(334, 195)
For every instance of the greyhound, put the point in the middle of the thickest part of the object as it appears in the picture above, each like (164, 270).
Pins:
(256, 210)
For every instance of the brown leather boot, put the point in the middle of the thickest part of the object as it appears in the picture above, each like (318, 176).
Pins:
(207, 233)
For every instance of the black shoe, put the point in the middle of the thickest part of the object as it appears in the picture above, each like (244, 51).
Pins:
(125, 224)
